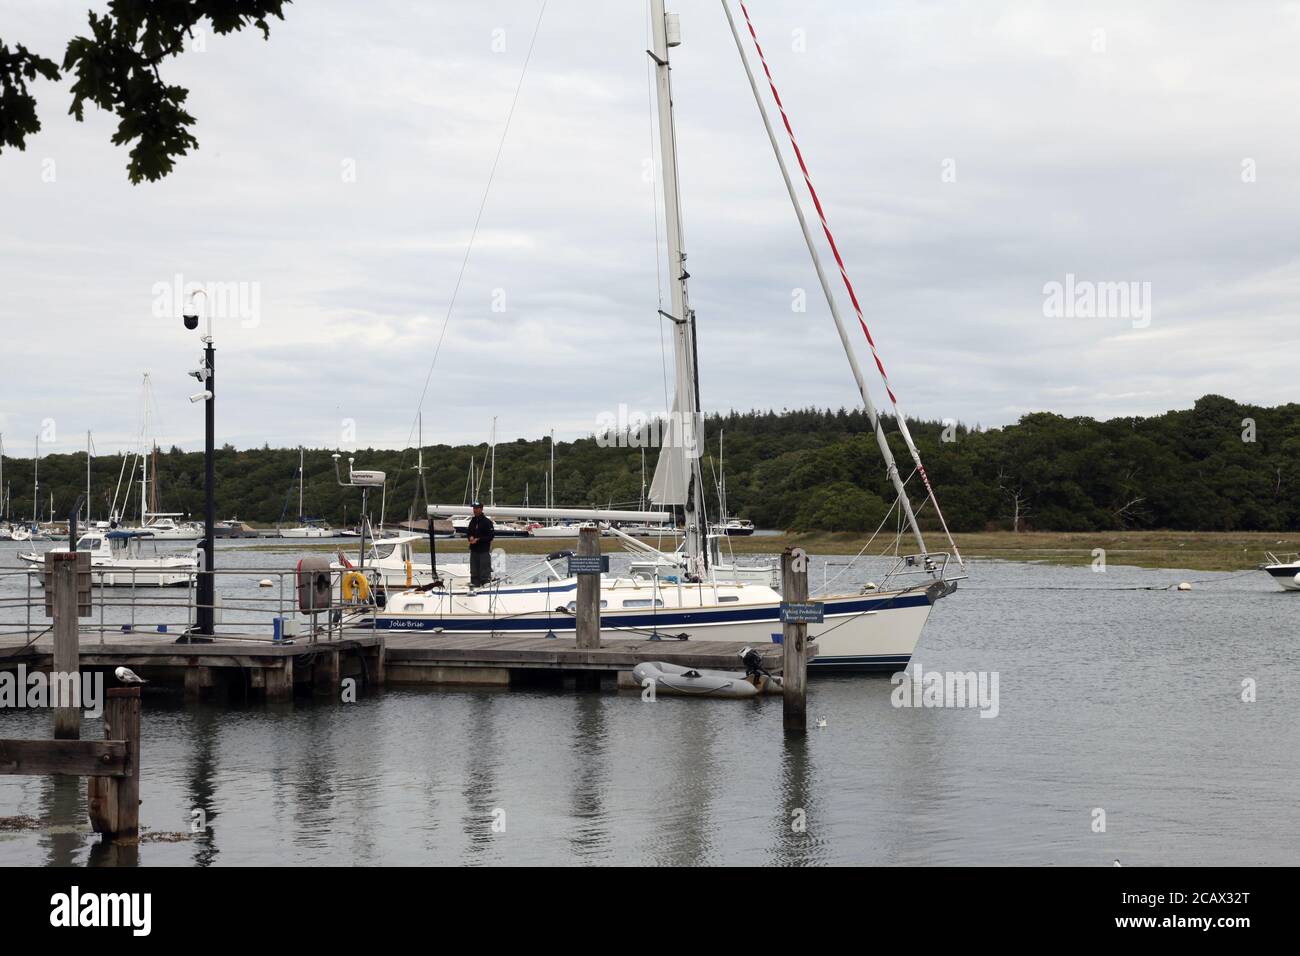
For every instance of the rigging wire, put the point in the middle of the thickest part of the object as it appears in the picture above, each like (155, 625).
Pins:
(469, 248)
(654, 205)
(848, 285)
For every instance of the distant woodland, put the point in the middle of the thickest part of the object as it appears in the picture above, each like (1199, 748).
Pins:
(1219, 466)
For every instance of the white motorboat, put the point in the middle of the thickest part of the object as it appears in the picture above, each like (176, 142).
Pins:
(165, 527)
(871, 629)
(119, 559)
(564, 529)
(1284, 570)
(735, 528)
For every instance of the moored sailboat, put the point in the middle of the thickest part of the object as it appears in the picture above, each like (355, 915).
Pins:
(691, 594)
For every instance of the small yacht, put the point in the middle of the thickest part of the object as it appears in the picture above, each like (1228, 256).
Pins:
(735, 528)
(118, 559)
(1284, 569)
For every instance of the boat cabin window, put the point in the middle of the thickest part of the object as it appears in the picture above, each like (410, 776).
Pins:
(642, 602)
(723, 598)
(383, 550)
(572, 606)
(88, 544)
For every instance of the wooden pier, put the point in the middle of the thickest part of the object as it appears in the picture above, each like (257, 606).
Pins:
(274, 669)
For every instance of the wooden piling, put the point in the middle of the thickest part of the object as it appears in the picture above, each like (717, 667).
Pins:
(794, 637)
(66, 672)
(114, 801)
(587, 615)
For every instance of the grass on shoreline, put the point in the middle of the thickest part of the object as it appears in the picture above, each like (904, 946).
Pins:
(1194, 550)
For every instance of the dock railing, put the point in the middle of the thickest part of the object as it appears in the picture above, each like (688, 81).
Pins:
(135, 605)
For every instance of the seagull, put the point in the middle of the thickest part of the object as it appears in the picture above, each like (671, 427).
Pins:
(821, 721)
(128, 676)
(1117, 863)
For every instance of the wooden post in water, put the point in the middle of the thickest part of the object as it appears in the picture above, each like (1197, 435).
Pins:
(114, 802)
(65, 673)
(794, 637)
(588, 612)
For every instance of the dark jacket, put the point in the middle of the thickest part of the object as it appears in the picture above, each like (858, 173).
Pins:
(481, 527)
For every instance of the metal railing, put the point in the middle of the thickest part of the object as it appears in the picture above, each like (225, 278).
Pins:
(135, 604)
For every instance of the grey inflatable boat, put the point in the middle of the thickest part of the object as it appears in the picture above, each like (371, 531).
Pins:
(696, 682)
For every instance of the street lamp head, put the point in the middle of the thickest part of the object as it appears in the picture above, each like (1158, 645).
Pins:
(191, 321)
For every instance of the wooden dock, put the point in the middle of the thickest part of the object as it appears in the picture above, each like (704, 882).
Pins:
(256, 665)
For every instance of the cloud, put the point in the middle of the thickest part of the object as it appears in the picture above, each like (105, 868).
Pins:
(1126, 163)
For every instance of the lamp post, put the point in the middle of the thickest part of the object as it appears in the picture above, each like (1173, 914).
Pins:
(206, 375)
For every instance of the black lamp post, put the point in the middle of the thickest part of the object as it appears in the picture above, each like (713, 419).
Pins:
(206, 581)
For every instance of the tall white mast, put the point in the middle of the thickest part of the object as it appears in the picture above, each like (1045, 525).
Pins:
(301, 454)
(36, 481)
(88, 476)
(667, 32)
(492, 480)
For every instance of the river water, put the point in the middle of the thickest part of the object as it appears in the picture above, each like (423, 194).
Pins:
(1111, 700)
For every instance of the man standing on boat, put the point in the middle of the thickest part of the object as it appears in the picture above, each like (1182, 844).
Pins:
(481, 533)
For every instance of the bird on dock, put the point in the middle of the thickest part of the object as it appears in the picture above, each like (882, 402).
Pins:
(128, 676)
(821, 721)
(1117, 863)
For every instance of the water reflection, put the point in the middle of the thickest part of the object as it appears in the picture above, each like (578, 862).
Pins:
(483, 811)
(61, 802)
(588, 744)
(201, 783)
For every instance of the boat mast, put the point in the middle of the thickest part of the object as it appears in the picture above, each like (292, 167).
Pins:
(87, 477)
(885, 451)
(36, 482)
(666, 33)
(492, 479)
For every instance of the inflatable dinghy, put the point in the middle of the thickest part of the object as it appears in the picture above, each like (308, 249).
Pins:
(696, 682)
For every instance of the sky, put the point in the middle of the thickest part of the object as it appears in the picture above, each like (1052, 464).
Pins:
(980, 164)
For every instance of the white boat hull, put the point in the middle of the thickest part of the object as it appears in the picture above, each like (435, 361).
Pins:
(144, 575)
(306, 533)
(1285, 575)
(871, 631)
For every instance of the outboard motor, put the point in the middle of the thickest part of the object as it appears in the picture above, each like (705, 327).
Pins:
(753, 662)
(314, 589)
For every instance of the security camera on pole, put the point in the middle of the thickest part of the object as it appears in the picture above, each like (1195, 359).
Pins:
(206, 375)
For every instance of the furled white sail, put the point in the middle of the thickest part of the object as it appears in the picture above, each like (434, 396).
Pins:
(669, 484)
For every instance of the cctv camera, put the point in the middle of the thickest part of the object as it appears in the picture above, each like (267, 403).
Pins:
(191, 321)
(201, 396)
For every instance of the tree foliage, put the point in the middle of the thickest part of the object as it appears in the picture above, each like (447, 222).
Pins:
(806, 469)
(116, 68)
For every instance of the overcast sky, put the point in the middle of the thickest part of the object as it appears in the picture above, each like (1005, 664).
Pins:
(969, 154)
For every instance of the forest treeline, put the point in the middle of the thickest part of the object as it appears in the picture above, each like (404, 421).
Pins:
(1219, 466)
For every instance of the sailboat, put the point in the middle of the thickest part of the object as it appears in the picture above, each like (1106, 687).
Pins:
(306, 527)
(729, 526)
(687, 594)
